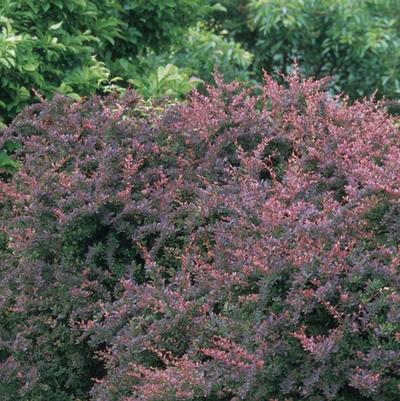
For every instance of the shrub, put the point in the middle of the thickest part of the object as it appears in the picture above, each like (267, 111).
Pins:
(204, 51)
(48, 46)
(96, 173)
(239, 246)
(186, 64)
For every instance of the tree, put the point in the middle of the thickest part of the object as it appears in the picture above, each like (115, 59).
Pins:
(356, 42)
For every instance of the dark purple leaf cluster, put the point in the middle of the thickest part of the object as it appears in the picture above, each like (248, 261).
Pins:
(241, 246)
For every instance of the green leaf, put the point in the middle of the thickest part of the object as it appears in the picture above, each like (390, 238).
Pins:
(163, 72)
(29, 67)
(56, 26)
(218, 7)
(74, 96)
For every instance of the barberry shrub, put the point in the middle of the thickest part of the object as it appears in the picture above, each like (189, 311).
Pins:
(240, 246)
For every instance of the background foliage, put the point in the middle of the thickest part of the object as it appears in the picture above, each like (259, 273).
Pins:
(82, 46)
(356, 42)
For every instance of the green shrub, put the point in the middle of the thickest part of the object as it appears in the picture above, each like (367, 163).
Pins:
(71, 46)
(357, 42)
(187, 64)
(204, 50)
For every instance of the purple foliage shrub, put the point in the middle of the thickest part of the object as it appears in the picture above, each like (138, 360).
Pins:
(240, 246)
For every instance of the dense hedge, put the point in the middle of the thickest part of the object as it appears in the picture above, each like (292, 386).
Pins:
(242, 246)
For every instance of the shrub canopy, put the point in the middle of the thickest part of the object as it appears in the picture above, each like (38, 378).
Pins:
(239, 246)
